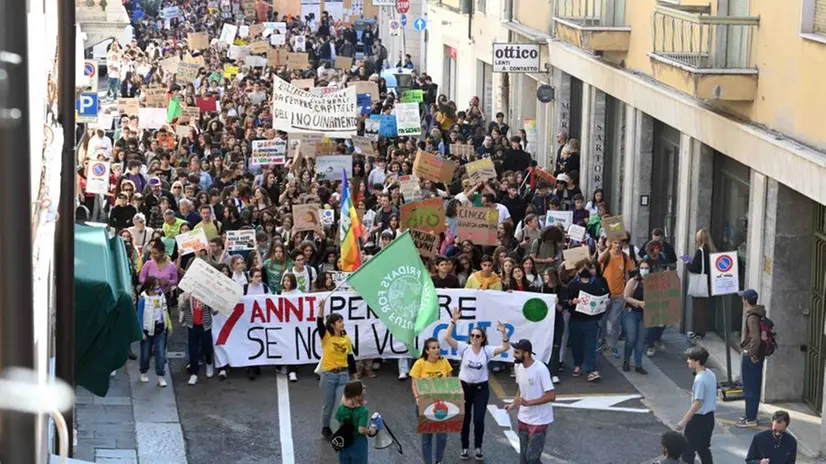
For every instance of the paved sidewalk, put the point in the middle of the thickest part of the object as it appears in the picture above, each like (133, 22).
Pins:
(666, 391)
(135, 423)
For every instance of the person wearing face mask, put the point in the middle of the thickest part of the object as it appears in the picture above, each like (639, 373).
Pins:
(775, 446)
(154, 320)
(534, 398)
(632, 320)
(584, 325)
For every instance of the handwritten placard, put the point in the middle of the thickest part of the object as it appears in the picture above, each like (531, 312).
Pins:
(192, 241)
(155, 97)
(574, 256)
(303, 83)
(663, 299)
(128, 106)
(434, 168)
(591, 305)
(462, 150)
(427, 243)
(269, 152)
(240, 240)
(299, 61)
(481, 171)
(479, 225)
(259, 47)
(211, 286)
(198, 40)
(426, 215)
(409, 188)
(614, 228)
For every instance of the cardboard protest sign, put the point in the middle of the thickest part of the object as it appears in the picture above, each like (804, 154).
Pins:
(182, 130)
(151, 118)
(299, 61)
(425, 215)
(325, 148)
(256, 29)
(663, 299)
(277, 40)
(614, 228)
(276, 57)
(269, 152)
(407, 119)
(592, 305)
(479, 225)
(187, 72)
(431, 167)
(303, 83)
(170, 64)
(240, 240)
(198, 40)
(259, 47)
(189, 113)
(211, 286)
(306, 217)
(563, 219)
(344, 62)
(427, 243)
(461, 149)
(574, 256)
(192, 241)
(308, 141)
(409, 188)
(481, 171)
(128, 106)
(441, 405)
(155, 97)
(330, 167)
(366, 87)
(363, 145)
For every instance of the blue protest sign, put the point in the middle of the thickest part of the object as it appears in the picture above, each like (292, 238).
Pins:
(388, 124)
(365, 102)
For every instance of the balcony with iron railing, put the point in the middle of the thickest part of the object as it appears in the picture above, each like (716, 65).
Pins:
(101, 19)
(593, 25)
(704, 55)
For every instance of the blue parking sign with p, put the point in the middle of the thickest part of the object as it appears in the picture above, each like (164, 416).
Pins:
(87, 107)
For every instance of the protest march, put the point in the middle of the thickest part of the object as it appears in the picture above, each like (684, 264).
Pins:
(291, 209)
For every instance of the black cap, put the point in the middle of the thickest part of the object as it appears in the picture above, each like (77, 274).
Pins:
(523, 345)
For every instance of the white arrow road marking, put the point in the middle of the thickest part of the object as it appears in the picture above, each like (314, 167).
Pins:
(504, 420)
(600, 403)
(285, 426)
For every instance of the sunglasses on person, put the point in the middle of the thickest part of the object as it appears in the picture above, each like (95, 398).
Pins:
(476, 336)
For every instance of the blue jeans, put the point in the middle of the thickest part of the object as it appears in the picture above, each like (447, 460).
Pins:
(632, 322)
(613, 315)
(653, 334)
(427, 444)
(114, 87)
(584, 333)
(355, 453)
(156, 343)
(332, 387)
(751, 374)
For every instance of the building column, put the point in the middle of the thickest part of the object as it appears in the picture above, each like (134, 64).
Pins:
(684, 235)
(593, 168)
(785, 271)
(639, 146)
(562, 107)
(585, 146)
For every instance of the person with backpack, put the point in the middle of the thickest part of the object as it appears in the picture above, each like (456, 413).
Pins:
(758, 342)
(350, 440)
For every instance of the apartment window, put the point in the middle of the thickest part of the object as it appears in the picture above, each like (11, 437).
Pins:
(482, 6)
(813, 21)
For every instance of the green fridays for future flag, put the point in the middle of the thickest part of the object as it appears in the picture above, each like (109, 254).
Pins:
(397, 287)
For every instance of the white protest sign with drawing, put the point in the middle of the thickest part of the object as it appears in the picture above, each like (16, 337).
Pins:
(329, 167)
(371, 129)
(240, 240)
(576, 232)
(228, 33)
(328, 217)
(192, 241)
(269, 152)
(409, 188)
(591, 305)
(407, 119)
(211, 286)
(562, 218)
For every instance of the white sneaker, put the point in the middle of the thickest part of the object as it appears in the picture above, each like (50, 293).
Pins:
(113, 374)
(144, 378)
(210, 371)
(161, 382)
(403, 376)
(222, 374)
(651, 351)
(376, 365)
(193, 379)
(293, 377)
(554, 379)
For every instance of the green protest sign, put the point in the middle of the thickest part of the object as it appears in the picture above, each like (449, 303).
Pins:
(412, 96)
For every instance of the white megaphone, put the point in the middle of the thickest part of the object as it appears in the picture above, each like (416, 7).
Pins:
(384, 437)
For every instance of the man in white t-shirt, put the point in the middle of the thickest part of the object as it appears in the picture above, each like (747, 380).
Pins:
(536, 392)
(304, 275)
(489, 201)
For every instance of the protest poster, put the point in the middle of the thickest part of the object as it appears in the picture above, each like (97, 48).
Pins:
(243, 30)
(303, 83)
(276, 57)
(170, 64)
(308, 141)
(182, 130)
(256, 30)
(575, 255)
(407, 119)
(300, 44)
(228, 33)
(366, 87)
(614, 228)
(328, 217)
(340, 279)
(544, 178)
(211, 286)
(562, 219)
(413, 96)
(280, 26)
(300, 61)
(481, 170)
(170, 12)
(462, 150)
(432, 167)
(364, 102)
(259, 47)
(409, 188)
(387, 124)
(372, 127)
(363, 145)
(663, 299)
(189, 113)
(187, 72)
(441, 405)
(238, 52)
(230, 71)
(287, 324)
(128, 106)
(344, 62)
(330, 167)
(269, 152)
(240, 240)
(297, 110)
(151, 118)
(479, 225)
(206, 104)
(305, 217)
(277, 40)
(427, 243)
(254, 61)
(154, 97)
(576, 232)
(425, 215)
(592, 305)
(326, 148)
(198, 40)
(97, 177)
(192, 241)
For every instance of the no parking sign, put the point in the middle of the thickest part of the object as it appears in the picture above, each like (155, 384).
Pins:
(725, 276)
(97, 177)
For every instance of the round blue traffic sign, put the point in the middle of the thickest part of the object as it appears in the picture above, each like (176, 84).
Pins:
(403, 20)
(420, 24)
(723, 263)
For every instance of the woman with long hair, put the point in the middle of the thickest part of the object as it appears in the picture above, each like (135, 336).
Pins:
(430, 365)
(551, 285)
(632, 319)
(473, 374)
(336, 359)
(700, 264)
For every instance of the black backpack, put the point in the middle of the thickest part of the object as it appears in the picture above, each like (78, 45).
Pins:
(344, 436)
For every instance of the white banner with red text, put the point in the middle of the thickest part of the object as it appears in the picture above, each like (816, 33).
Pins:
(282, 330)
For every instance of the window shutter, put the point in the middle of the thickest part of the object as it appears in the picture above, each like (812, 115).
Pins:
(820, 17)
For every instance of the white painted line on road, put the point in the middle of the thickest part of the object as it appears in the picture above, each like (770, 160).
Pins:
(285, 425)
(500, 415)
(600, 403)
(513, 438)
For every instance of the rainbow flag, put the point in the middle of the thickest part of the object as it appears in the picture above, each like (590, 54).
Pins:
(349, 229)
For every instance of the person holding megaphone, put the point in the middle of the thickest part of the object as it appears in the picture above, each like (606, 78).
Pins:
(430, 365)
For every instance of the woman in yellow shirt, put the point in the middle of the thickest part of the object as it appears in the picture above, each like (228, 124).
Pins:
(336, 358)
(431, 364)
